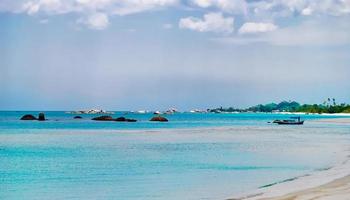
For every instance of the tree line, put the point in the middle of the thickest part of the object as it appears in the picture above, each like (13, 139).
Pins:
(328, 106)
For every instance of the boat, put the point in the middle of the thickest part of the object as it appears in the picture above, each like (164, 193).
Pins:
(171, 111)
(197, 111)
(292, 121)
(142, 111)
(90, 111)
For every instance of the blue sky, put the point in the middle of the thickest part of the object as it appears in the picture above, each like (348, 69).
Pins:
(156, 54)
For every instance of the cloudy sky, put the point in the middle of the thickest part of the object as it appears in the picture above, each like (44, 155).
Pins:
(155, 54)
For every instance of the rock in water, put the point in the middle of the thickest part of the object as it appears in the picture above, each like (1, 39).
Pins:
(103, 118)
(120, 119)
(28, 117)
(159, 119)
(41, 117)
(123, 119)
(78, 117)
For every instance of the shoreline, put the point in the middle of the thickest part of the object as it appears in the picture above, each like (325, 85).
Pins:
(337, 190)
(306, 187)
(332, 183)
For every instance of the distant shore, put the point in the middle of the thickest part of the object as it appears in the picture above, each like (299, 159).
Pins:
(321, 114)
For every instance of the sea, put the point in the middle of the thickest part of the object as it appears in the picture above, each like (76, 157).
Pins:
(193, 156)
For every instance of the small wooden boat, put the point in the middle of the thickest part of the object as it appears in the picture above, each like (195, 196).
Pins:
(294, 121)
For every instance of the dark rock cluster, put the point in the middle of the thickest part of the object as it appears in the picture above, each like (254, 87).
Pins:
(41, 117)
(109, 118)
(159, 119)
(32, 117)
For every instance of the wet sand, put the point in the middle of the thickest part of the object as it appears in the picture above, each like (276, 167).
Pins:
(336, 190)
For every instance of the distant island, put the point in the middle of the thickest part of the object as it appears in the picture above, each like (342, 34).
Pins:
(328, 106)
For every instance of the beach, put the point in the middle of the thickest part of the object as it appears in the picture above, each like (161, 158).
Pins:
(336, 190)
(329, 184)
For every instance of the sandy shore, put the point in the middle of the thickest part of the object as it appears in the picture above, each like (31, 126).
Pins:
(330, 184)
(336, 190)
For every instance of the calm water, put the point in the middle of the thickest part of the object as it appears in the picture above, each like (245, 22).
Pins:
(194, 156)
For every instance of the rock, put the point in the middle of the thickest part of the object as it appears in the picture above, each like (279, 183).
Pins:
(78, 117)
(121, 119)
(41, 117)
(28, 117)
(103, 118)
(159, 119)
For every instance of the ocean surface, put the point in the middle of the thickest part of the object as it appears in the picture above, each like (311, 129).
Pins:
(193, 156)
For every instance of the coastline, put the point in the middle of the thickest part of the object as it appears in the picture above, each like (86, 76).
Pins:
(337, 190)
(280, 187)
(328, 184)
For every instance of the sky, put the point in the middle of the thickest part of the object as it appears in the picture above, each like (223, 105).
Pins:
(157, 54)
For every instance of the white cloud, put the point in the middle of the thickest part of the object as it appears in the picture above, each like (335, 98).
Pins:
(211, 22)
(234, 6)
(251, 27)
(31, 8)
(307, 11)
(46, 6)
(287, 8)
(118, 7)
(104, 8)
(124, 7)
(309, 33)
(97, 21)
(252, 10)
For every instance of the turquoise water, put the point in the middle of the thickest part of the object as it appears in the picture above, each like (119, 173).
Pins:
(194, 156)
(62, 120)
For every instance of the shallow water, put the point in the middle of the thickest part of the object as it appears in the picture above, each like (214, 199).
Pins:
(187, 158)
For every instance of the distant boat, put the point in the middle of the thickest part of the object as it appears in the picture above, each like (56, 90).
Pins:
(171, 111)
(91, 111)
(197, 111)
(292, 121)
(142, 111)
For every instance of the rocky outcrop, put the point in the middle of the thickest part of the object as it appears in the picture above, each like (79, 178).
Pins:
(103, 118)
(28, 117)
(159, 119)
(41, 117)
(123, 119)
(120, 119)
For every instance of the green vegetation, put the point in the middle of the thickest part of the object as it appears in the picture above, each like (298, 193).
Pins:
(328, 106)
